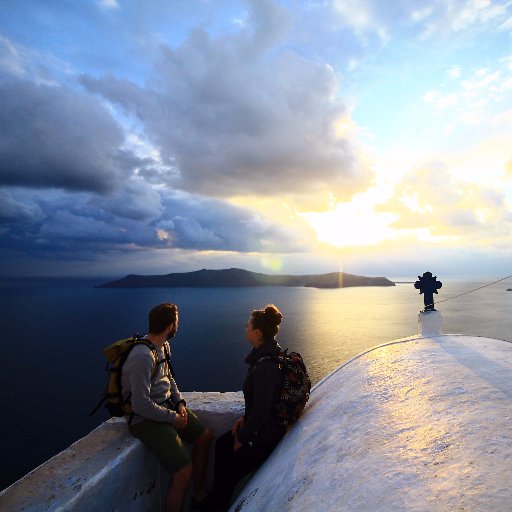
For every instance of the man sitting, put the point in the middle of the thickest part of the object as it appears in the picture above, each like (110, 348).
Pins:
(160, 417)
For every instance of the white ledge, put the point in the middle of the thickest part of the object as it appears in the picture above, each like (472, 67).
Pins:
(109, 470)
(417, 424)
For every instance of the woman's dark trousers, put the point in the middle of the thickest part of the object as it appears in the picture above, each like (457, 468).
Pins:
(231, 466)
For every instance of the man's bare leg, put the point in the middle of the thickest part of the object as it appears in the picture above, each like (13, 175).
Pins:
(177, 489)
(200, 457)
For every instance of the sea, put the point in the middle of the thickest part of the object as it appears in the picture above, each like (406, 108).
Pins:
(52, 332)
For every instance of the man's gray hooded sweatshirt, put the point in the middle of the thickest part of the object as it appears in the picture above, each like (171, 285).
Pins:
(145, 393)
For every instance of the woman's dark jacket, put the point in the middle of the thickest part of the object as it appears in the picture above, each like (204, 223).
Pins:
(262, 387)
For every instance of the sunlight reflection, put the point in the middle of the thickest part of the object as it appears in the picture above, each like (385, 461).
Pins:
(414, 426)
(408, 399)
(332, 326)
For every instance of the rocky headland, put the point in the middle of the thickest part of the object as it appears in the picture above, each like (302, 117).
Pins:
(239, 277)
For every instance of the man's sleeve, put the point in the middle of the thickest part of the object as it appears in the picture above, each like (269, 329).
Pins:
(138, 368)
(176, 396)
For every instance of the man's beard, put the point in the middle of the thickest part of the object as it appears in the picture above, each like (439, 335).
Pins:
(171, 334)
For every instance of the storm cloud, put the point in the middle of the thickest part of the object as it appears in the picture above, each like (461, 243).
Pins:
(205, 223)
(53, 137)
(58, 225)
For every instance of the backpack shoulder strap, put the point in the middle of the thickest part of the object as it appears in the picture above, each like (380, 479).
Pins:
(277, 358)
(265, 358)
(145, 341)
(168, 360)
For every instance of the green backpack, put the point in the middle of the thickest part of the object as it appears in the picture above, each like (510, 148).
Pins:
(116, 355)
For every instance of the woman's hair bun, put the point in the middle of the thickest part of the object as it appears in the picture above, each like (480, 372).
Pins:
(273, 315)
(267, 320)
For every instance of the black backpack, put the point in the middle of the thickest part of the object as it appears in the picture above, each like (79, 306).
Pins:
(295, 389)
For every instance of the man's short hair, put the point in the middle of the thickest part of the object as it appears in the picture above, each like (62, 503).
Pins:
(161, 316)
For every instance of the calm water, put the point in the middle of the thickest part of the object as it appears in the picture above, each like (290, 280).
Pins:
(52, 369)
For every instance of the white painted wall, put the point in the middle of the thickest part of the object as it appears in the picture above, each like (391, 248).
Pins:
(109, 470)
(420, 424)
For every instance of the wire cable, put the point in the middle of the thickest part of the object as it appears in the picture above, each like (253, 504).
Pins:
(476, 289)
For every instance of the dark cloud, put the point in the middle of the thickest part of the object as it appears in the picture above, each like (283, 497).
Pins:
(17, 211)
(135, 200)
(68, 225)
(55, 225)
(202, 223)
(53, 137)
(240, 114)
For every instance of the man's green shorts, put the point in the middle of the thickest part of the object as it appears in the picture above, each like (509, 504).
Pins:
(166, 442)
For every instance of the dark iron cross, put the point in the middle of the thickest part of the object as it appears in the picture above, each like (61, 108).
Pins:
(428, 285)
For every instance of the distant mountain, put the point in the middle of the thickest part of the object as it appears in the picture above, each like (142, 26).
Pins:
(238, 277)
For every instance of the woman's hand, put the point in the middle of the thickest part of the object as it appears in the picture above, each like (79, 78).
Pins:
(236, 445)
(237, 426)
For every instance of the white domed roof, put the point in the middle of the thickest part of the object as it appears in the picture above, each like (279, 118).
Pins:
(419, 424)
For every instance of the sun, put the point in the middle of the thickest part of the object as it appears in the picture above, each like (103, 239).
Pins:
(353, 224)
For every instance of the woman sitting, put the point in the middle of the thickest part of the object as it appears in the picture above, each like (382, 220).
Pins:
(252, 438)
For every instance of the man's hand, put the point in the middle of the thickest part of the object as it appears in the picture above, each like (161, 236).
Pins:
(180, 422)
(237, 426)
(182, 411)
(236, 445)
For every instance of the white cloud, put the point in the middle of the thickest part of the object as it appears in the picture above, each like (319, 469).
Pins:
(421, 14)
(359, 15)
(10, 58)
(424, 20)
(482, 79)
(365, 17)
(109, 4)
(507, 24)
(431, 200)
(439, 100)
(459, 16)
(477, 100)
(475, 12)
(454, 72)
(447, 101)
(20, 62)
(241, 115)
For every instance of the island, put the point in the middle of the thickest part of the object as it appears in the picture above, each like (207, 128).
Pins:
(238, 277)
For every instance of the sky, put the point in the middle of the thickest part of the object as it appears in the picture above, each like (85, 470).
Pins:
(295, 137)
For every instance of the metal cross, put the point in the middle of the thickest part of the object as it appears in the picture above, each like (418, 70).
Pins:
(428, 285)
